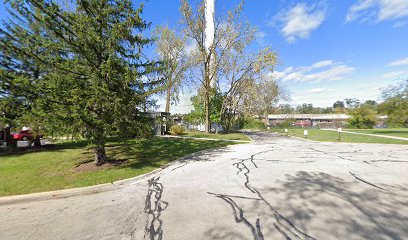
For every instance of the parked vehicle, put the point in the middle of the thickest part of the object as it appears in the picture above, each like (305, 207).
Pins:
(24, 135)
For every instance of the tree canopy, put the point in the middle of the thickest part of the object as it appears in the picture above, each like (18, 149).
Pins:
(79, 67)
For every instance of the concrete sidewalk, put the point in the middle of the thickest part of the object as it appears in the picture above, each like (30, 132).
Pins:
(369, 134)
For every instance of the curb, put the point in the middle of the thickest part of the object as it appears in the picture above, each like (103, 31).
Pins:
(93, 189)
(207, 139)
(71, 192)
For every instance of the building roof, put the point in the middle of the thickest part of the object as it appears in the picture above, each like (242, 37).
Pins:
(309, 116)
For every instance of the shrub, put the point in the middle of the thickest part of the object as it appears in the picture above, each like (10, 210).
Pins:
(252, 123)
(362, 117)
(176, 130)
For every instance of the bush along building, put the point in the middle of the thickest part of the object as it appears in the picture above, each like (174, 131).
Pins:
(315, 120)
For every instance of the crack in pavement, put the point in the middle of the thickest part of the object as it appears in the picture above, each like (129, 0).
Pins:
(154, 207)
(276, 160)
(132, 231)
(285, 227)
(366, 182)
(397, 161)
(343, 158)
(352, 174)
(182, 165)
(333, 155)
(239, 216)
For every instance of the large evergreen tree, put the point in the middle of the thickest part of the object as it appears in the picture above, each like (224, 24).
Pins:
(91, 72)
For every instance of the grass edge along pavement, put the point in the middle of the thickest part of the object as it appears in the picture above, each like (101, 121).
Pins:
(227, 136)
(332, 136)
(70, 164)
(394, 132)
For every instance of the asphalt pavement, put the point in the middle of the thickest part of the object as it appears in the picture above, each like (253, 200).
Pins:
(273, 188)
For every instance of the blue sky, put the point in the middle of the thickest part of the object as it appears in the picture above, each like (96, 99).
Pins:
(329, 50)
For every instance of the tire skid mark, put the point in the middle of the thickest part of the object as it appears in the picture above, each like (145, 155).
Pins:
(286, 228)
(154, 207)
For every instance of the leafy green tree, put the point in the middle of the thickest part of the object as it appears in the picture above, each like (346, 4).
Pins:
(338, 104)
(20, 63)
(284, 109)
(362, 117)
(198, 113)
(352, 102)
(91, 72)
(395, 104)
(202, 57)
(261, 98)
(371, 103)
(305, 108)
(171, 49)
(229, 34)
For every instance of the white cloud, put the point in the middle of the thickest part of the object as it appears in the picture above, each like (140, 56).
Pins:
(260, 37)
(400, 24)
(377, 10)
(318, 90)
(400, 62)
(321, 64)
(395, 75)
(299, 21)
(322, 71)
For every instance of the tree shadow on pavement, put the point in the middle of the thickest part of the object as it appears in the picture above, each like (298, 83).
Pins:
(316, 205)
(346, 209)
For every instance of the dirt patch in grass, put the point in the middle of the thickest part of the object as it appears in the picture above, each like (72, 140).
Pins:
(90, 166)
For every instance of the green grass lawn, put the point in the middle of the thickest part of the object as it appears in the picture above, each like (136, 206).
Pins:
(332, 136)
(396, 132)
(69, 164)
(227, 136)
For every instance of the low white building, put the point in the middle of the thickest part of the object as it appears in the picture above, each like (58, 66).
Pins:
(307, 120)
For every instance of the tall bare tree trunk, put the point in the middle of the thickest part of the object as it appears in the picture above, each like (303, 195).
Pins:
(266, 119)
(168, 100)
(207, 112)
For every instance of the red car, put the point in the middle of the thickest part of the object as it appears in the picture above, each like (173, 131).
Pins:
(25, 135)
